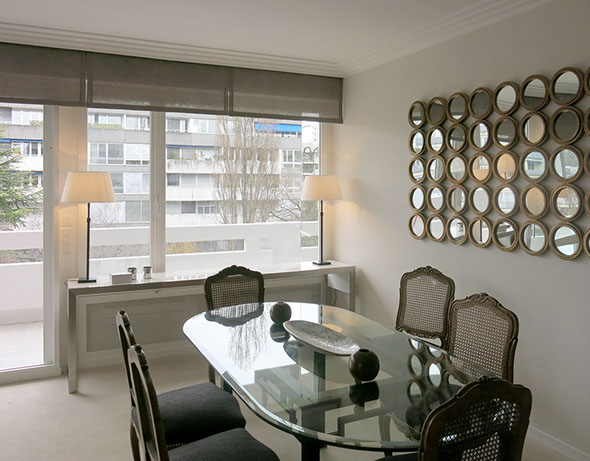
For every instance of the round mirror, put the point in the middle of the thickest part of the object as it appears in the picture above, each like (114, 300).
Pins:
(435, 141)
(435, 228)
(567, 86)
(417, 114)
(434, 374)
(505, 201)
(414, 391)
(479, 232)
(415, 344)
(587, 122)
(533, 128)
(416, 142)
(505, 132)
(587, 202)
(434, 351)
(506, 98)
(457, 199)
(436, 112)
(457, 169)
(417, 197)
(480, 103)
(480, 201)
(534, 201)
(457, 230)
(417, 226)
(587, 242)
(566, 125)
(479, 135)
(417, 170)
(505, 234)
(534, 93)
(566, 241)
(435, 198)
(457, 138)
(567, 163)
(505, 166)
(533, 237)
(566, 202)
(416, 365)
(457, 107)
(435, 169)
(480, 168)
(534, 164)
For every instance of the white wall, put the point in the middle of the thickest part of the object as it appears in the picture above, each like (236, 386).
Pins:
(369, 154)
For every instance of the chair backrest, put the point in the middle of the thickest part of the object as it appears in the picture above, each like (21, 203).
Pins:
(127, 339)
(151, 430)
(483, 332)
(486, 420)
(234, 285)
(425, 296)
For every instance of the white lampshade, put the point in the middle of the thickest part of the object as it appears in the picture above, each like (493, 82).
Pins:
(321, 187)
(88, 187)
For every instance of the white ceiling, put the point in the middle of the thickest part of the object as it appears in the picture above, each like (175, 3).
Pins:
(328, 37)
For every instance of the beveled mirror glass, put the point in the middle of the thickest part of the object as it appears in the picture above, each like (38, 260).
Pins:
(480, 232)
(436, 228)
(436, 140)
(457, 169)
(479, 135)
(417, 142)
(480, 168)
(417, 226)
(505, 201)
(505, 235)
(505, 166)
(436, 111)
(417, 170)
(533, 128)
(566, 163)
(457, 230)
(417, 199)
(533, 237)
(505, 132)
(480, 200)
(435, 199)
(565, 241)
(457, 199)
(534, 164)
(457, 107)
(506, 98)
(566, 202)
(587, 242)
(416, 365)
(566, 125)
(567, 86)
(534, 201)
(534, 93)
(436, 169)
(480, 103)
(417, 115)
(457, 138)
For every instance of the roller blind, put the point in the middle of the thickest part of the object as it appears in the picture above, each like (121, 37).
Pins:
(40, 75)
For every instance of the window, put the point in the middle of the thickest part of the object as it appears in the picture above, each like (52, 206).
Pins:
(105, 121)
(137, 122)
(173, 179)
(206, 208)
(176, 125)
(188, 180)
(205, 180)
(188, 207)
(291, 158)
(137, 211)
(28, 148)
(137, 154)
(117, 180)
(137, 183)
(102, 153)
(27, 117)
(172, 208)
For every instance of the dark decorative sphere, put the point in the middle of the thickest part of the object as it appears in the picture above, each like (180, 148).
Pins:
(360, 394)
(280, 312)
(363, 365)
(278, 333)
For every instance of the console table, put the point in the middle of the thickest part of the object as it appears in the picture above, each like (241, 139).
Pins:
(339, 276)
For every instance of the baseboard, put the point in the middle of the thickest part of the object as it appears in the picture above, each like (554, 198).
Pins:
(10, 317)
(557, 445)
(29, 373)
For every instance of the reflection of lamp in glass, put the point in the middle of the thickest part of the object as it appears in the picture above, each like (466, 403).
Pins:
(88, 187)
(321, 187)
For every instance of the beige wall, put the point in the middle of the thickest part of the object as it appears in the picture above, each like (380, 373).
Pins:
(369, 228)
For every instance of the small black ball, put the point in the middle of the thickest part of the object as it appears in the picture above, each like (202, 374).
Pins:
(280, 312)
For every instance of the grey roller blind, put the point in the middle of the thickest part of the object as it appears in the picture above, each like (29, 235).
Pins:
(37, 75)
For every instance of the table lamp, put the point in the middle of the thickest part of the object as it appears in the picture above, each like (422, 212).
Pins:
(88, 187)
(321, 187)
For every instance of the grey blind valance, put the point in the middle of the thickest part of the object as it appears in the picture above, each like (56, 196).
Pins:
(30, 74)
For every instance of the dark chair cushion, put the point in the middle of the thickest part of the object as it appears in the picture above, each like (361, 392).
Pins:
(236, 444)
(404, 457)
(195, 412)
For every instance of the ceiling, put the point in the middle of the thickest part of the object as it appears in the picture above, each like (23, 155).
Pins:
(326, 37)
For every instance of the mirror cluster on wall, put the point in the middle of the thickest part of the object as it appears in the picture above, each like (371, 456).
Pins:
(509, 166)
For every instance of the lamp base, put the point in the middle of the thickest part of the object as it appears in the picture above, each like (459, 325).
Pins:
(87, 280)
(321, 263)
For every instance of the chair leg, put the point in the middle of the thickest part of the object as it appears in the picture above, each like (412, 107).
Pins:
(211, 374)
(134, 443)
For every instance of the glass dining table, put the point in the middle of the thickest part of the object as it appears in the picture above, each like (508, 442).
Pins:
(311, 394)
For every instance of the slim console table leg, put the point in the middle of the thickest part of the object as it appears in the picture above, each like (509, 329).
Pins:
(72, 345)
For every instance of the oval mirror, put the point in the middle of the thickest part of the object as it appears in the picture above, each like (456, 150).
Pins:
(417, 114)
(567, 86)
(457, 199)
(480, 103)
(457, 138)
(434, 374)
(587, 202)
(417, 198)
(534, 201)
(435, 142)
(533, 128)
(457, 230)
(567, 163)
(436, 112)
(480, 168)
(566, 241)
(505, 234)
(533, 237)
(505, 201)
(566, 202)
(505, 166)
(587, 242)
(417, 170)
(534, 164)
(587, 122)
(457, 107)
(435, 169)
(415, 344)
(534, 93)
(479, 135)
(435, 227)
(566, 125)
(415, 392)
(457, 169)
(417, 226)
(416, 142)
(435, 198)
(505, 132)
(506, 98)
(479, 232)
(416, 365)
(480, 200)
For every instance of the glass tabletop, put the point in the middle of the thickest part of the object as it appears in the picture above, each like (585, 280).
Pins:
(312, 394)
